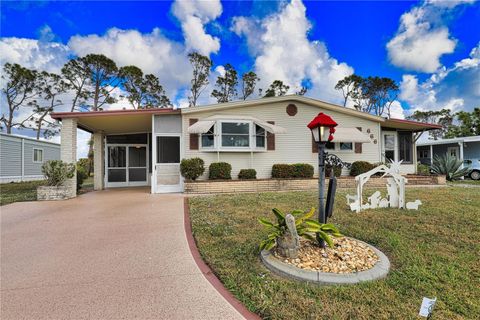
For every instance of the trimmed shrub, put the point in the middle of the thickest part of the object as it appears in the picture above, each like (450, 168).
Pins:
(282, 171)
(302, 170)
(337, 171)
(246, 174)
(57, 172)
(359, 167)
(220, 170)
(82, 174)
(423, 169)
(192, 168)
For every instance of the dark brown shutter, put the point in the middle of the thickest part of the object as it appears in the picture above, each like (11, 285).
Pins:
(358, 146)
(314, 145)
(193, 136)
(270, 138)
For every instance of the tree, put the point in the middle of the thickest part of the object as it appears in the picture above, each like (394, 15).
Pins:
(372, 94)
(442, 117)
(76, 73)
(201, 70)
(143, 91)
(226, 85)
(276, 89)
(302, 91)
(104, 79)
(18, 89)
(349, 87)
(249, 81)
(467, 124)
(49, 87)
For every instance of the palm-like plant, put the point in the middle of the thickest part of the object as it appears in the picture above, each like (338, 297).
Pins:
(449, 166)
(306, 228)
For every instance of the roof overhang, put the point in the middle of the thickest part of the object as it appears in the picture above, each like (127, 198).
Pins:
(409, 125)
(115, 121)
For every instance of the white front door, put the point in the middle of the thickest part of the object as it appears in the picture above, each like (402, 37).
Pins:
(454, 152)
(167, 169)
(127, 165)
(389, 146)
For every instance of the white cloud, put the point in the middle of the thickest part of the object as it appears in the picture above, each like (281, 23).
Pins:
(396, 110)
(283, 51)
(419, 45)
(456, 88)
(193, 16)
(34, 54)
(422, 37)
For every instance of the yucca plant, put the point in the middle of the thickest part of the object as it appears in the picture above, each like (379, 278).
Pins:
(306, 228)
(449, 166)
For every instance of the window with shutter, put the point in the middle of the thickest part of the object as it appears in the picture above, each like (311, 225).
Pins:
(193, 136)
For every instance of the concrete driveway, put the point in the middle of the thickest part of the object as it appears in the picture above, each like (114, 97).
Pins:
(117, 254)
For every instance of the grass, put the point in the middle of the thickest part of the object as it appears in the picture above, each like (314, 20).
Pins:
(433, 251)
(466, 181)
(27, 191)
(19, 191)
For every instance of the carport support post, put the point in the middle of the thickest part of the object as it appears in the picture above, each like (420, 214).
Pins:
(68, 151)
(98, 161)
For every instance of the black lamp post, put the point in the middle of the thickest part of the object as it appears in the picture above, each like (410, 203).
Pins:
(322, 127)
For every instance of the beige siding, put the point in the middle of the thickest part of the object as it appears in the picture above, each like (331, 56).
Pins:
(291, 147)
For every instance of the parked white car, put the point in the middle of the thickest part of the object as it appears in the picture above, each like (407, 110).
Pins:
(474, 165)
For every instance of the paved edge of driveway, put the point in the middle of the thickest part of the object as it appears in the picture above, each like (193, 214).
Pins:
(208, 273)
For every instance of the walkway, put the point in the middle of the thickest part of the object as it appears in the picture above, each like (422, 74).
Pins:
(118, 254)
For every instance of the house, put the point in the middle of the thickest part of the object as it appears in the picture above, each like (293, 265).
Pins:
(21, 157)
(144, 147)
(466, 149)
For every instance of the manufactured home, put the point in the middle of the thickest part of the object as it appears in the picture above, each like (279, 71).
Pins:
(21, 157)
(145, 147)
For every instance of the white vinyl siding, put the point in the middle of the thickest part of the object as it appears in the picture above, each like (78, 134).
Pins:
(291, 147)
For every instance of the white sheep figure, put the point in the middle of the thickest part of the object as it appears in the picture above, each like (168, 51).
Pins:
(413, 205)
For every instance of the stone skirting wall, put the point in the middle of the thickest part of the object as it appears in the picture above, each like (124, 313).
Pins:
(263, 185)
(55, 193)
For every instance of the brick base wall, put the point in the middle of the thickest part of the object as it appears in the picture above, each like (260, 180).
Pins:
(56, 193)
(263, 185)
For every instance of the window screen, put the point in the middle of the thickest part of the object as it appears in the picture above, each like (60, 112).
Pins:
(168, 149)
(405, 146)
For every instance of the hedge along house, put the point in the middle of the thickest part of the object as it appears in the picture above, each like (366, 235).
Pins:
(144, 147)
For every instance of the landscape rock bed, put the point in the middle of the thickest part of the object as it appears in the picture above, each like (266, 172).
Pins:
(347, 256)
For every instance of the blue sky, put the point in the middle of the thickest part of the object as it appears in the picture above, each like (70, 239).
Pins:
(430, 48)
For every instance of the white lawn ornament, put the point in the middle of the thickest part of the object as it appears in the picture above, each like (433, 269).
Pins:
(413, 205)
(374, 199)
(383, 203)
(395, 189)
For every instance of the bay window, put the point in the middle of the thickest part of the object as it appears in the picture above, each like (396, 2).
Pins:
(260, 136)
(208, 138)
(235, 134)
(231, 135)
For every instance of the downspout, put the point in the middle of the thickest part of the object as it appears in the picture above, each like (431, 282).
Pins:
(153, 177)
(461, 156)
(23, 160)
(431, 155)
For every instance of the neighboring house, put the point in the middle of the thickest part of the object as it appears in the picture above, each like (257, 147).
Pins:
(144, 147)
(466, 149)
(21, 157)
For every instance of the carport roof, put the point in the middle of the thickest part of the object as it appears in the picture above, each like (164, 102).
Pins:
(115, 121)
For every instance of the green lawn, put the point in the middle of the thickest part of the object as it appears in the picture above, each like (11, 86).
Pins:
(466, 181)
(434, 253)
(19, 191)
(27, 191)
